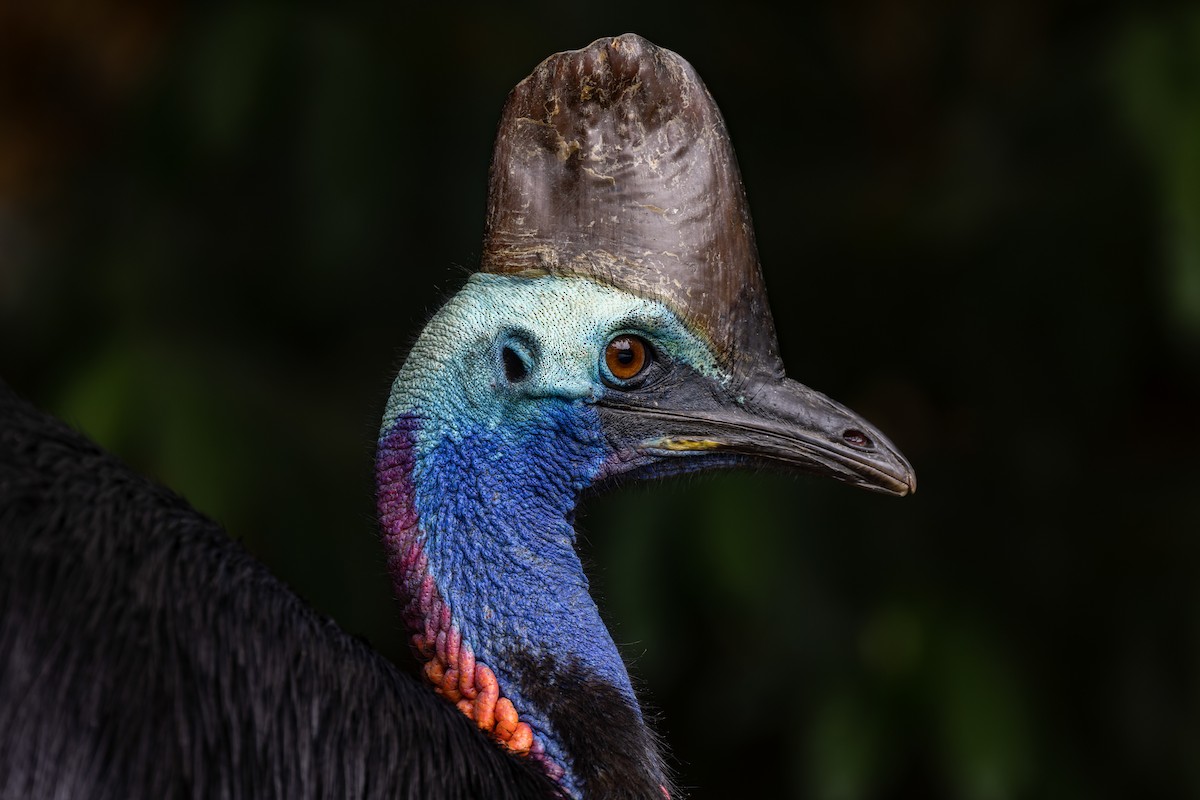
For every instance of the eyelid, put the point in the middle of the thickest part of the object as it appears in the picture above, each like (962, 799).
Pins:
(641, 331)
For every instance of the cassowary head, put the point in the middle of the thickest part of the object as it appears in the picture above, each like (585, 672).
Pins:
(619, 326)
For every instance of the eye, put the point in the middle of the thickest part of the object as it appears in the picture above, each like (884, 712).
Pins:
(627, 357)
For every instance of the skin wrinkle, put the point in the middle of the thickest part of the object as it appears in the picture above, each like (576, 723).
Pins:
(489, 485)
(450, 664)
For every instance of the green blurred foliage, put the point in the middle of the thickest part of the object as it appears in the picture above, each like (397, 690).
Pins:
(980, 227)
(1157, 73)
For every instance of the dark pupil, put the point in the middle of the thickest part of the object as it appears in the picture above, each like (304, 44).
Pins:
(624, 353)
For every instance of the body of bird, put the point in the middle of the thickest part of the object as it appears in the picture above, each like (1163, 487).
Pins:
(143, 653)
(618, 327)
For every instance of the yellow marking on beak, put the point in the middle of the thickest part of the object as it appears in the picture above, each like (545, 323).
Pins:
(686, 444)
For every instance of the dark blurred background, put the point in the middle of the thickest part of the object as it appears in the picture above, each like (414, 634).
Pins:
(221, 223)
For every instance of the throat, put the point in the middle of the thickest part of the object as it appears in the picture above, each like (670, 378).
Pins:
(482, 557)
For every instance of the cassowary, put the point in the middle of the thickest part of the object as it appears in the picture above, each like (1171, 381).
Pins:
(618, 327)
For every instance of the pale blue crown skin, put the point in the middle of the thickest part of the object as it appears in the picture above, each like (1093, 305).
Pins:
(499, 464)
(573, 317)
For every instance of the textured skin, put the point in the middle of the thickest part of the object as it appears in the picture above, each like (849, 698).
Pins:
(449, 663)
(478, 482)
(144, 654)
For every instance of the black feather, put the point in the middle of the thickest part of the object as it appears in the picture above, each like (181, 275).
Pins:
(615, 753)
(145, 654)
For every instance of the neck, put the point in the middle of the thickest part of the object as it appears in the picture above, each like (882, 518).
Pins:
(476, 520)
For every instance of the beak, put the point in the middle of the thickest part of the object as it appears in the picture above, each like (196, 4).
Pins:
(769, 420)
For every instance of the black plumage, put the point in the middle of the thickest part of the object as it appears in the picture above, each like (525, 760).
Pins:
(145, 654)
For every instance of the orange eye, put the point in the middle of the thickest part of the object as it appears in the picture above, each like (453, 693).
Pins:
(626, 356)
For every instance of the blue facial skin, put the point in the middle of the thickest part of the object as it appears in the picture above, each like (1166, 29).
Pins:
(503, 381)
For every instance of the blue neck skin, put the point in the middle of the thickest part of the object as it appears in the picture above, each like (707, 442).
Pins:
(498, 464)
(495, 506)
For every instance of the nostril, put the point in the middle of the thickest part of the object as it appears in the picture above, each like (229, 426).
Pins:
(856, 438)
